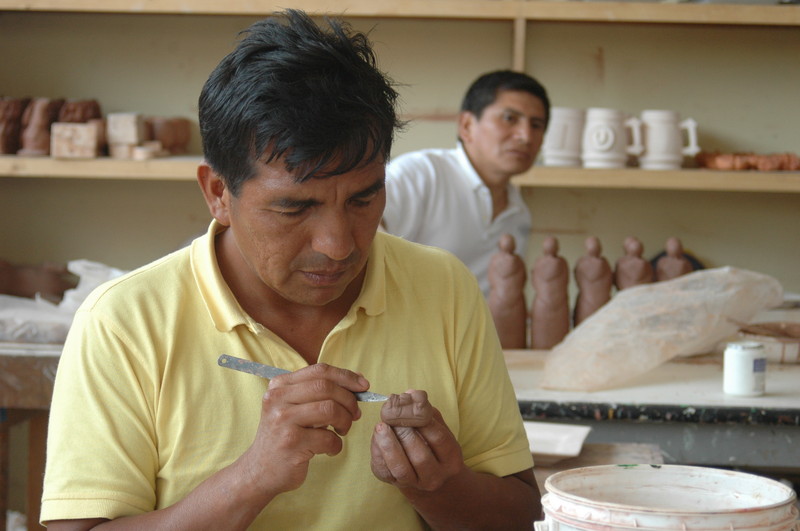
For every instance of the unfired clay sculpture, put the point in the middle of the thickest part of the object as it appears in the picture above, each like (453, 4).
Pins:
(506, 301)
(36, 121)
(79, 111)
(631, 269)
(11, 111)
(673, 264)
(550, 309)
(410, 409)
(173, 133)
(595, 280)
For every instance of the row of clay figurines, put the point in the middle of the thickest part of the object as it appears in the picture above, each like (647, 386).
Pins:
(550, 311)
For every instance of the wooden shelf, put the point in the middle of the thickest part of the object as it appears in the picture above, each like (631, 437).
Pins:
(634, 178)
(555, 10)
(162, 169)
(185, 169)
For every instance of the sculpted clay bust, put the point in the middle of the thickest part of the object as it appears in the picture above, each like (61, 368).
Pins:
(550, 311)
(36, 121)
(408, 410)
(506, 301)
(594, 278)
(11, 111)
(631, 269)
(673, 264)
(404, 413)
(79, 111)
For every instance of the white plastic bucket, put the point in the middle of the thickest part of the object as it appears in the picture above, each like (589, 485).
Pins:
(661, 497)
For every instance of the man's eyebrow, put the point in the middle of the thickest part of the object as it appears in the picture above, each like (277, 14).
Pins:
(291, 203)
(374, 187)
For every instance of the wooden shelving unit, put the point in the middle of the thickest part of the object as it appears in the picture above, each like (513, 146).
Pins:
(518, 11)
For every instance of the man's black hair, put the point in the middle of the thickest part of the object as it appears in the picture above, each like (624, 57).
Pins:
(484, 90)
(292, 89)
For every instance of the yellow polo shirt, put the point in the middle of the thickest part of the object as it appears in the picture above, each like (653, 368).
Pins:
(142, 413)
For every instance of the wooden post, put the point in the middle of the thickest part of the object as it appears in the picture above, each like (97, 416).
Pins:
(518, 53)
(37, 445)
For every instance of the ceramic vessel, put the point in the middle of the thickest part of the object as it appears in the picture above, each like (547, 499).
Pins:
(609, 137)
(663, 140)
(562, 142)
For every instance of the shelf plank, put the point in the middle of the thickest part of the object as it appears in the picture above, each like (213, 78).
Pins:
(185, 169)
(664, 13)
(635, 178)
(164, 169)
(533, 10)
(481, 9)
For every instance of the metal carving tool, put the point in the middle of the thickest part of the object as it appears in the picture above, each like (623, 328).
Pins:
(269, 372)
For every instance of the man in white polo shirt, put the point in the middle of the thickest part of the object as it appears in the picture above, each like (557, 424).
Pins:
(461, 199)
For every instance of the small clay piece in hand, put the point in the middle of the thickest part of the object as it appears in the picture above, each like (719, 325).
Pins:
(410, 409)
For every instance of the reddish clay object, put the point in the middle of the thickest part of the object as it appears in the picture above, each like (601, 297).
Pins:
(408, 410)
(632, 270)
(594, 278)
(507, 277)
(173, 133)
(36, 121)
(550, 310)
(11, 111)
(673, 264)
(79, 111)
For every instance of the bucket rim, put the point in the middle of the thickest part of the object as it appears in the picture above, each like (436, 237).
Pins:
(551, 487)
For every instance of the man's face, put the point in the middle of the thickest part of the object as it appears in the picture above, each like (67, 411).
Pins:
(506, 139)
(303, 243)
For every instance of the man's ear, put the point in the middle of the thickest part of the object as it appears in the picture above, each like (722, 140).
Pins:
(466, 121)
(215, 193)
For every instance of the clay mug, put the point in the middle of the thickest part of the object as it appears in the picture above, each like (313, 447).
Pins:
(606, 142)
(664, 148)
(562, 141)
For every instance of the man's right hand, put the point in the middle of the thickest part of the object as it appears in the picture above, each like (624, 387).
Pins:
(303, 414)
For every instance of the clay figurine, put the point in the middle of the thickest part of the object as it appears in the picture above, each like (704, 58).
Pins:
(673, 264)
(594, 278)
(39, 115)
(173, 133)
(550, 309)
(506, 300)
(631, 269)
(11, 111)
(79, 111)
(410, 409)
(408, 415)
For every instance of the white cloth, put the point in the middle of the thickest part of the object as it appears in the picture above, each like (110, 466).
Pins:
(435, 197)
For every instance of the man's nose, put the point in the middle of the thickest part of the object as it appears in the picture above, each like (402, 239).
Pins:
(523, 131)
(333, 236)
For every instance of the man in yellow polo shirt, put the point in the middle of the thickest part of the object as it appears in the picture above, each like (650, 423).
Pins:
(148, 432)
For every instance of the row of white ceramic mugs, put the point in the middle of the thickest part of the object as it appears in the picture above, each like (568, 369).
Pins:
(604, 138)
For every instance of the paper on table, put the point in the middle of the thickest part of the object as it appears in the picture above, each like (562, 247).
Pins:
(551, 442)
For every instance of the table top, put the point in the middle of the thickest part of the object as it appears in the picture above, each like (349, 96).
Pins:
(681, 390)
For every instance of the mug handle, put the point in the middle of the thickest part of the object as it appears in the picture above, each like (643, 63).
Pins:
(691, 128)
(635, 125)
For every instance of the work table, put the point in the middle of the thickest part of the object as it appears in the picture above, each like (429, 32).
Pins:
(678, 405)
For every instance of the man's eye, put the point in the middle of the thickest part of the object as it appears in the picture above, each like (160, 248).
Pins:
(291, 213)
(363, 201)
(509, 118)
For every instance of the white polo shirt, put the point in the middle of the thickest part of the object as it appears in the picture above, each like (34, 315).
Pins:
(435, 197)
